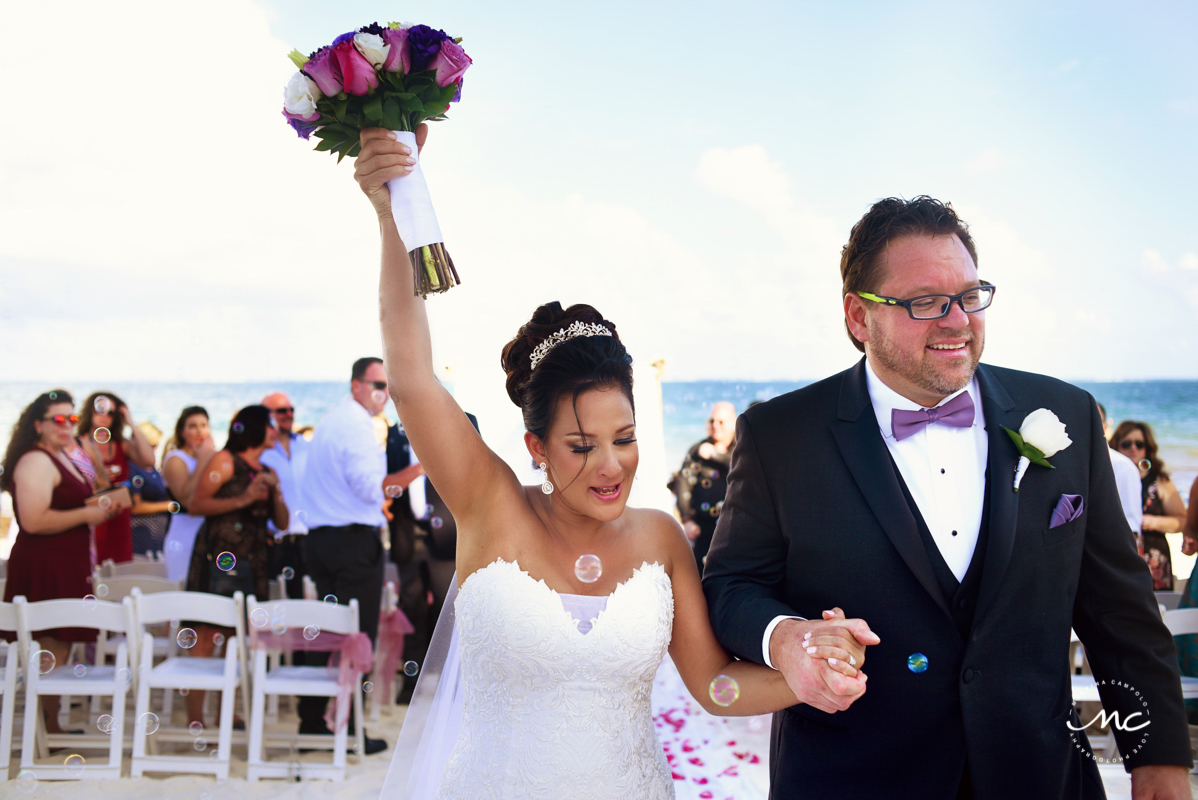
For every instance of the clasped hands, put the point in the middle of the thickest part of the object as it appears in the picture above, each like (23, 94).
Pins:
(822, 659)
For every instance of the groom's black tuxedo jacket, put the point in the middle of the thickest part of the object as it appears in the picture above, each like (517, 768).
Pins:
(816, 517)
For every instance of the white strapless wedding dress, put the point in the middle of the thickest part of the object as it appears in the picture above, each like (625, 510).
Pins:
(551, 712)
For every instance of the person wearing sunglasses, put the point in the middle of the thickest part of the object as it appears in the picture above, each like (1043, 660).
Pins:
(51, 557)
(287, 458)
(1164, 510)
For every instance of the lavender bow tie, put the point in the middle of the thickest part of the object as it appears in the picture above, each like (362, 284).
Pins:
(957, 412)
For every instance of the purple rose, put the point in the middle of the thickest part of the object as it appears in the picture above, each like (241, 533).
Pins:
(450, 63)
(399, 58)
(357, 73)
(304, 129)
(345, 37)
(424, 43)
(325, 70)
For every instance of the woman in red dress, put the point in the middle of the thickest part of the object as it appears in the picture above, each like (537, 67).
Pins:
(102, 422)
(50, 557)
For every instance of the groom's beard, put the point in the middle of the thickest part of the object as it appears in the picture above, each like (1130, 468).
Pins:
(920, 367)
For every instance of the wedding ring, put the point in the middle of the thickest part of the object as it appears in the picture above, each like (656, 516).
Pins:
(852, 660)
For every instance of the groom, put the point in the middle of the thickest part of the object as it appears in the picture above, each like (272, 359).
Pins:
(887, 490)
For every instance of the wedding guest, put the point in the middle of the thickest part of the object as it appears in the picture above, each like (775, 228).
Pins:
(288, 458)
(51, 555)
(1187, 646)
(1164, 510)
(182, 467)
(343, 488)
(702, 481)
(237, 495)
(101, 434)
(151, 502)
(1127, 479)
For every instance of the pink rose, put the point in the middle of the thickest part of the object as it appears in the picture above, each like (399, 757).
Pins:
(399, 57)
(323, 70)
(451, 63)
(357, 74)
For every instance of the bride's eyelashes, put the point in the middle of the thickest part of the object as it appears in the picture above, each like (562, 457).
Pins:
(589, 448)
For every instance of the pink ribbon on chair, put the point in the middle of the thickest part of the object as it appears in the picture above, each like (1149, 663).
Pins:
(393, 626)
(356, 659)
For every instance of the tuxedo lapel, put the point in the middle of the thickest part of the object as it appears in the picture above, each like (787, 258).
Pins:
(1000, 411)
(861, 445)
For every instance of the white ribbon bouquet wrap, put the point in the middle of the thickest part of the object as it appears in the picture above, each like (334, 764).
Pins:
(395, 77)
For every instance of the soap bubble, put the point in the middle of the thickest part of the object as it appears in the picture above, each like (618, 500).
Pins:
(368, 687)
(214, 476)
(105, 502)
(715, 475)
(137, 481)
(429, 508)
(114, 470)
(184, 692)
(105, 723)
(705, 483)
(378, 397)
(74, 765)
(259, 617)
(237, 526)
(288, 573)
(917, 662)
(218, 639)
(724, 690)
(436, 522)
(331, 599)
(311, 632)
(238, 427)
(195, 727)
(755, 724)
(102, 435)
(147, 723)
(102, 405)
(411, 668)
(101, 590)
(278, 626)
(80, 670)
(186, 638)
(26, 781)
(89, 602)
(226, 561)
(392, 490)
(125, 676)
(44, 660)
(1145, 464)
(174, 508)
(705, 506)
(588, 568)
(200, 744)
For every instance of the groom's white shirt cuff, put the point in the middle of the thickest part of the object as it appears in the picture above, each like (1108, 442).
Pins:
(765, 640)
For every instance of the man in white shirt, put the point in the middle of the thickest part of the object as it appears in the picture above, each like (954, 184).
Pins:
(342, 489)
(890, 491)
(288, 458)
(1127, 480)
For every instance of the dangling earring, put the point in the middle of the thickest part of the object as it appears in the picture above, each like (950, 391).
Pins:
(547, 485)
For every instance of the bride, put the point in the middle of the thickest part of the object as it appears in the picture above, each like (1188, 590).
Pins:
(568, 600)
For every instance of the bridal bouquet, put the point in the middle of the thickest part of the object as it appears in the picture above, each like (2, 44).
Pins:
(394, 76)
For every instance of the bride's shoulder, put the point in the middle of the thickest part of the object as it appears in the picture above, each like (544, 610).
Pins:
(659, 530)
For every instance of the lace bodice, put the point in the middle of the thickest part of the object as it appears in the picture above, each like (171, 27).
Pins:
(549, 712)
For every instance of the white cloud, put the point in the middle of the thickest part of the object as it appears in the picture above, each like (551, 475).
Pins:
(987, 162)
(1152, 261)
(1189, 261)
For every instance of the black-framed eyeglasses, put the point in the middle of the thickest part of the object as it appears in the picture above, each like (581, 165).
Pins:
(283, 410)
(380, 385)
(936, 306)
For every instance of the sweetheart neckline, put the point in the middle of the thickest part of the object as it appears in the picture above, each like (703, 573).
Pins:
(643, 568)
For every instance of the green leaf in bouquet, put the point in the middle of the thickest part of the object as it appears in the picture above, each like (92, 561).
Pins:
(353, 151)
(392, 115)
(411, 104)
(326, 144)
(339, 107)
(298, 58)
(434, 111)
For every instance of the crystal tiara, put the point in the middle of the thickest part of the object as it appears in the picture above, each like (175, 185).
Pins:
(576, 328)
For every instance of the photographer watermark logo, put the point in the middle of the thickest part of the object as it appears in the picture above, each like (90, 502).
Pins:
(1132, 719)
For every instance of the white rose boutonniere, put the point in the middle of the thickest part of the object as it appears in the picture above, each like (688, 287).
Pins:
(1040, 437)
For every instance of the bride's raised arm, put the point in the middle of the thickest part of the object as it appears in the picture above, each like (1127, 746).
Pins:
(464, 470)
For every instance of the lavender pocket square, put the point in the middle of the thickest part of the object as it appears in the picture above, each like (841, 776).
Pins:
(1069, 508)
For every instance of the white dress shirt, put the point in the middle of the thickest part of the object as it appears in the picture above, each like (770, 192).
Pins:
(290, 470)
(1127, 480)
(342, 483)
(944, 468)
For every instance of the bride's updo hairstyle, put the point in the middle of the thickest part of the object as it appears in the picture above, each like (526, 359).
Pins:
(572, 367)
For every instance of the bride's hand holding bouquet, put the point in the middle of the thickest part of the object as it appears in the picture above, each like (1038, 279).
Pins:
(384, 158)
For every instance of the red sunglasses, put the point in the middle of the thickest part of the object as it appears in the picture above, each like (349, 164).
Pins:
(62, 419)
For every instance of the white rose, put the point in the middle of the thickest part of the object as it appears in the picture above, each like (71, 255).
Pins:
(1043, 431)
(300, 96)
(372, 47)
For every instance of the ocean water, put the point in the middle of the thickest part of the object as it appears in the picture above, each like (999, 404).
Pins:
(1171, 407)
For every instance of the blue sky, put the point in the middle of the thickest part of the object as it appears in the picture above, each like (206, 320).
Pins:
(692, 169)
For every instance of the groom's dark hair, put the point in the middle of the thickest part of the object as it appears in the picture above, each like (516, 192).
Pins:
(887, 220)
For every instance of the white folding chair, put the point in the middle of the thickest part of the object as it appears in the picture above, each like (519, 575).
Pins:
(223, 675)
(278, 588)
(8, 679)
(155, 569)
(65, 679)
(1182, 621)
(377, 700)
(309, 588)
(302, 680)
